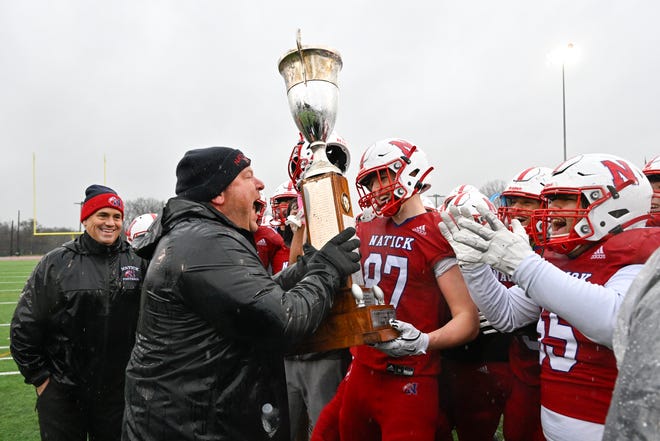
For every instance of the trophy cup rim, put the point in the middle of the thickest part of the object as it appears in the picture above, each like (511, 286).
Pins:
(334, 53)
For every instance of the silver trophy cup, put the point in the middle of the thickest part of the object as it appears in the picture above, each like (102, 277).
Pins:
(310, 75)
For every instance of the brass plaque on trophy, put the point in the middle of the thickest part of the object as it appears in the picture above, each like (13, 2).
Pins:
(358, 315)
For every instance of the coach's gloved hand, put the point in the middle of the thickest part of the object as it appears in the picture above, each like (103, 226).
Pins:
(498, 247)
(338, 253)
(411, 341)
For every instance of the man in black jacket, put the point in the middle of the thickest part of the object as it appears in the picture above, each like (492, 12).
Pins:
(74, 325)
(214, 325)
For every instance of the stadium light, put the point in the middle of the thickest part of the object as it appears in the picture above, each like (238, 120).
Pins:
(563, 56)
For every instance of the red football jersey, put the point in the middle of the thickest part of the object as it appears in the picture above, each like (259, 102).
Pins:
(269, 243)
(400, 259)
(578, 375)
(281, 258)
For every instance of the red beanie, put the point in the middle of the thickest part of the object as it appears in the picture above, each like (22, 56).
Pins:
(97, 197)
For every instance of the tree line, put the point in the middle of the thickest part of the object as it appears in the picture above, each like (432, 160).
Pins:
(18, 240)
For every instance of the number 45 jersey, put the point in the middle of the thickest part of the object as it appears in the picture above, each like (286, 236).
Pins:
(578, 375)
(401, 260)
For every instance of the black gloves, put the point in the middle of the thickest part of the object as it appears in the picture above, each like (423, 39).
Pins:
(338, 253)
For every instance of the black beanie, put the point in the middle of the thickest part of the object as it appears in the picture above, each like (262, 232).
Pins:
(202, 174)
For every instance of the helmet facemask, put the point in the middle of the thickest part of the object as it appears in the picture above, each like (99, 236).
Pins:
(299, 160)
(509, 211)
(583, 225)
(279, 202)
(612, 196)
(390, 194)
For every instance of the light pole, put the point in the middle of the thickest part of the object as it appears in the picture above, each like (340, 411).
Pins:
(81, 204)
(435, 199)
(563, 56)
(563, 105)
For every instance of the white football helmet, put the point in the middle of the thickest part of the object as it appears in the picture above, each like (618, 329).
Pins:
(613, 195)
(527, 184)
(337, 152)
(471, 200)
(302, 156)
(139, 226)
(279, 202)
(403, 167)
(462, 188)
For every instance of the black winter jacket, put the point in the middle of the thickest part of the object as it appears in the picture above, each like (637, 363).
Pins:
(75, 320)
(213, 329)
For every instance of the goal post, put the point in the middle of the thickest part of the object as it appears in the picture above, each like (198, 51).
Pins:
(34, 204)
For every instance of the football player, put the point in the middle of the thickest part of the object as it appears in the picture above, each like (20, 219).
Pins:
(476, 378)
(594, 247)
(522, 421)
(522, 196)
(270, 245)
(284, 195)
(392, 387)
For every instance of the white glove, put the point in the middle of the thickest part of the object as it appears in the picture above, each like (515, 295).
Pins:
(498, 247)
(295, 221)
(465, 255)
(411, 341)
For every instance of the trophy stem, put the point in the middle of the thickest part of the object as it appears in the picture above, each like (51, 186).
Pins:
(320, 162)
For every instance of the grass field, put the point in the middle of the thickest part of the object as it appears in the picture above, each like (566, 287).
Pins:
(18, 419)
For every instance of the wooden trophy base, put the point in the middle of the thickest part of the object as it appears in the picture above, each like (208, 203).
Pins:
(328, 211)
(349, 325)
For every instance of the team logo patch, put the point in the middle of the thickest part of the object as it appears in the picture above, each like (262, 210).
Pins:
(410, 389)
(131, 273)
(114, 201)
(598, 254)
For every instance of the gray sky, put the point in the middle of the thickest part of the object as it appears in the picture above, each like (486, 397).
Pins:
(140, 82)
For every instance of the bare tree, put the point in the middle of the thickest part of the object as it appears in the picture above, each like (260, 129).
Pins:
(493, 189)
(136, 207)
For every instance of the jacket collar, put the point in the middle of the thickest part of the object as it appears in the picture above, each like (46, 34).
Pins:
(85, 244)
(175, 211)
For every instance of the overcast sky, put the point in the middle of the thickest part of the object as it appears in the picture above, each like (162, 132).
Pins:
(140, 82)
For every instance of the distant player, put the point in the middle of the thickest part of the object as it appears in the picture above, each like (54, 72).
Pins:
(269, 243)
(139, 226)
(476, 378)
